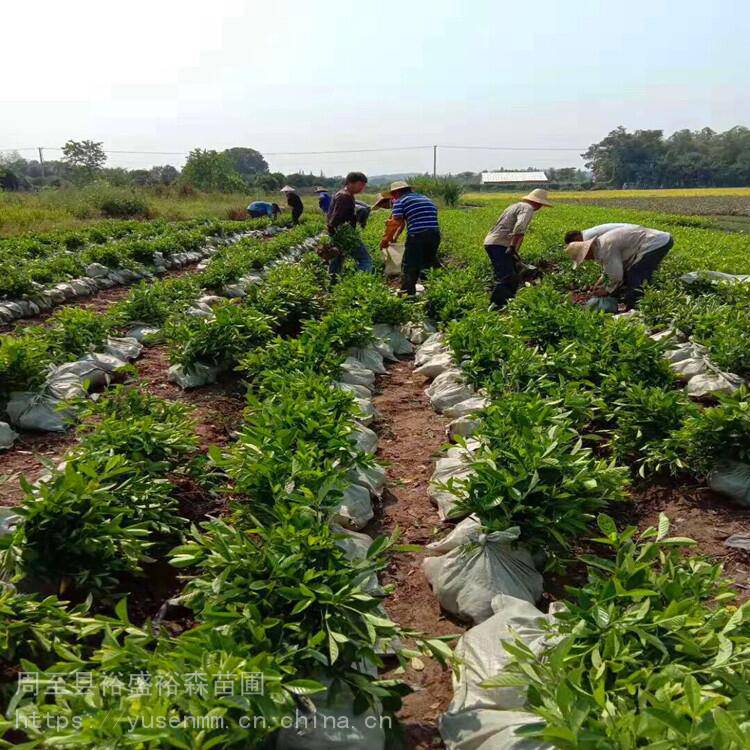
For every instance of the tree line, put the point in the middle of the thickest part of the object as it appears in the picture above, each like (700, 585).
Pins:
(83, 162)
(687, 158)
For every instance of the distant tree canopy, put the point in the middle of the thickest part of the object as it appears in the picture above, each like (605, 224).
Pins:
(87, 157)
(212, 171)
(645, 158)
(247, 162)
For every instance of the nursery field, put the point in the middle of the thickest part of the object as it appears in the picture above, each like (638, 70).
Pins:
(248, 507)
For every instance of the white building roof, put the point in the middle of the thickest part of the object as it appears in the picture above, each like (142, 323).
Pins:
(498, 177)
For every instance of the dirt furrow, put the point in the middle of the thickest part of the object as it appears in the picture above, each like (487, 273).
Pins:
(218, 412)
(410, 436)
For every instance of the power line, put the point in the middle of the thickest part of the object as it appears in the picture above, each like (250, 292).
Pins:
(515, 148)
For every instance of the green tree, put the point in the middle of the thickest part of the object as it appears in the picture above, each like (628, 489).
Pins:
(85, 158)
(212, 171)
(247, 162)
(624, 158)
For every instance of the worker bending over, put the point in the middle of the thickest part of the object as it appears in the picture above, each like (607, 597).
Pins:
(419, 215)
(577, 235)
(629, 256)
(504, 241)
(259, 209)
(344, 211)
(324, 199)
(294, 202)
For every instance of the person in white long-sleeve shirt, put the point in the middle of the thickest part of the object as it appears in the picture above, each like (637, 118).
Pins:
(629, 256)
(578, 235)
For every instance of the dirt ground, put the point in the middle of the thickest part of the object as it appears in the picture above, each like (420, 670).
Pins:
(218, 412)
(410, 437)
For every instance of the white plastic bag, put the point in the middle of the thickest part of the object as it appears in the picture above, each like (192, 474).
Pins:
(465, 408)
(353, 372)
(360, 391)
(355, 510)
(448, 389)
(398, 342)
(487, 719)
(394, 257)
(432, 346)
(711, 383)
(364, 438)
(732, 478)
(198, 375)
(369, 358)
(370, 477)
(333, 726)
(7, 436)
(37, 411)
(477, 567)
(435, 365)
(445, 469)
(462, 427)
(126, 348)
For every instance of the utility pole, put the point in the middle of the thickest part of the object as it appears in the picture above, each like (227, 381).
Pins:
(41, 159)
(434, 162)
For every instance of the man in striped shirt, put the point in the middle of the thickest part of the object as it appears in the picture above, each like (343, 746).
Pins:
(418, 214)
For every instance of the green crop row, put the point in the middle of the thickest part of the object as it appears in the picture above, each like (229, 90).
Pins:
(273, 587)
(26, 262)
(652, 651)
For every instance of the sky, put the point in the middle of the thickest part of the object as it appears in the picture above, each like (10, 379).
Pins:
(300, 76)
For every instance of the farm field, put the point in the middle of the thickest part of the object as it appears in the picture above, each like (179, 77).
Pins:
(252, 490)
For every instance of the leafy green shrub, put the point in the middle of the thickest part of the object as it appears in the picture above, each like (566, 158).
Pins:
(153, 302)
(288, 295)
(651, 652)
(75, 331)
(452, 294)
(717, 433)
(295, 442)
(362, 291)
(645, 419)
(220, 341)
(93, 521)
(533, 472)
(446, 188)
(152, 433)
(117, 203)
(31, 627)
(24, 360)
(190, 676)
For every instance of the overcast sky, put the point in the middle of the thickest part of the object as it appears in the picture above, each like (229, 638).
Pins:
(296, 75)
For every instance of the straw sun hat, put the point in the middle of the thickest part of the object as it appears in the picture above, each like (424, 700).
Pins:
(399, 185)
(577, 251)
(538, 196)
(287, 189)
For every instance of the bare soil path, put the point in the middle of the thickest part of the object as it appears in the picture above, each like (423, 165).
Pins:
(410, 437)
(217, 412)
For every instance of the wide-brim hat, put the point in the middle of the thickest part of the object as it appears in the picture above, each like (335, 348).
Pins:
(399, 185)
(320, 189)
(287, 189)
(538, 196)
(577, 251)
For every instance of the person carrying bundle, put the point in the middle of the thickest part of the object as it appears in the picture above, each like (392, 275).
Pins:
(259, 209)
(629, 256)
(343, 213)
(294, 202)
(419, 215)
(504, 241)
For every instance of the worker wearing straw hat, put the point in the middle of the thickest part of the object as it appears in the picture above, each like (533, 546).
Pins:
(629, 256)
(294, 202)
(324, 199)
(504, 241)
(419, 215)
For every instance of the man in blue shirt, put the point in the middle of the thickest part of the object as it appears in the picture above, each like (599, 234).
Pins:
(259, 209)
(419, 215)
(324, 199)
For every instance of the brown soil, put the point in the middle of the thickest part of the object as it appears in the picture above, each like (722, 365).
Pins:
(697, 512)
(218, 412)
(410, 436)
